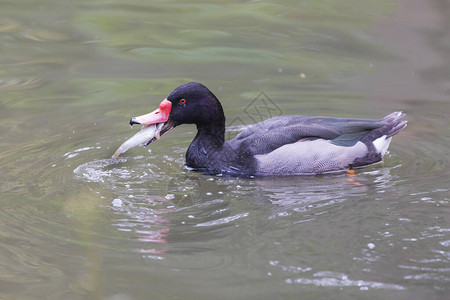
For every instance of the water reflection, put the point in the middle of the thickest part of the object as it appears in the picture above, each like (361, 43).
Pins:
(148, 225)
(193, 200)
(142, 215)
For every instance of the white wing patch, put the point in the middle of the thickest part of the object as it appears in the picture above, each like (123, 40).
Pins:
(381, 144)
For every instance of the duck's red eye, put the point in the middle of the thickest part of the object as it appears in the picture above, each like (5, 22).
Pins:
(182, 101)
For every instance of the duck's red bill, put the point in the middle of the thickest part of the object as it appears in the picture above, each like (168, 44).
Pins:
(159, 115)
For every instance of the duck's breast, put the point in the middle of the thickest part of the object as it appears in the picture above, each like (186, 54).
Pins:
(309, 157)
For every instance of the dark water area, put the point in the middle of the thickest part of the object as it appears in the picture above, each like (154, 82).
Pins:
(74, 225)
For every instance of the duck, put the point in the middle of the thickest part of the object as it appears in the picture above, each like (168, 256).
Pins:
(283, 145)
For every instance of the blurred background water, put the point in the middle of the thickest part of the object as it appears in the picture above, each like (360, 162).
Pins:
(74, 226)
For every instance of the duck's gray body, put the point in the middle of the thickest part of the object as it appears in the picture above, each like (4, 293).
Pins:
(296, 145)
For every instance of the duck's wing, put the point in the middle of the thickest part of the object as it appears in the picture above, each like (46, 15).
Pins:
(266, 136)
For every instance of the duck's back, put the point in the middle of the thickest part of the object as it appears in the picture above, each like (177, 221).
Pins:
(311, 145)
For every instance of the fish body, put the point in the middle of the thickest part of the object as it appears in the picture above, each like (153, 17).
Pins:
(144, 137)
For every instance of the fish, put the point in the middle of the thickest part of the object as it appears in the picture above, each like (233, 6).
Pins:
(145, 136)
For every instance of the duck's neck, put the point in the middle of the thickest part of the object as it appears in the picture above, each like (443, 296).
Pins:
(211, 135)
(204, 151)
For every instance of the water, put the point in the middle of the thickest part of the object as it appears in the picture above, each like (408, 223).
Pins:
(75, 226)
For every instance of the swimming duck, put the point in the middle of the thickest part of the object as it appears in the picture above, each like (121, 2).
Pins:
(285, 145)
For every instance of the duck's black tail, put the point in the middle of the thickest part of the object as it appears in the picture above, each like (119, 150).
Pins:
(378, 140)
(394, 124)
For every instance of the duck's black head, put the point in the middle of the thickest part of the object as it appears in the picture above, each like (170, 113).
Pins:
(190, 103)
(194, 103)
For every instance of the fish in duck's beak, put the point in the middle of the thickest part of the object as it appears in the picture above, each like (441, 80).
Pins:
(153, 124)
(159, 115)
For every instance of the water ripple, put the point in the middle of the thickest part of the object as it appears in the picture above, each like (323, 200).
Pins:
(332, 279)
(221, 221)
(20, 83)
